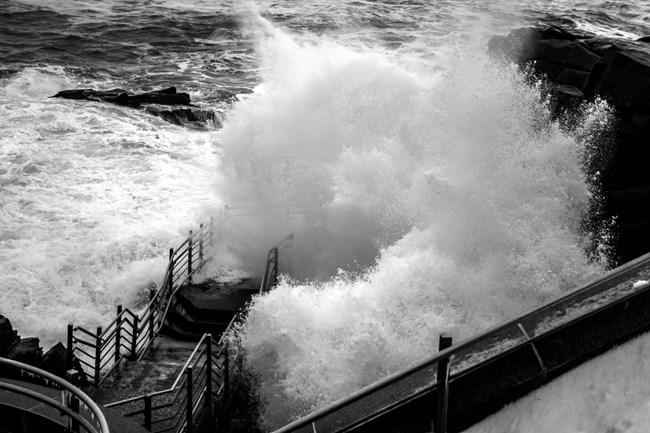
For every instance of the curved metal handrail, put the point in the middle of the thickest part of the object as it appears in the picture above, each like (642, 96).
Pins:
(96, 412)
(463, 345)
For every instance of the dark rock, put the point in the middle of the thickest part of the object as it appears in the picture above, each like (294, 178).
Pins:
(166, 96)
(572, 77)
(188, 116)
(644, 39)
(550, 69)
(552, 50)
(55, 360)
(27, 350)
(8, 337)
(580, 58)
(115, 96)
(626, 80)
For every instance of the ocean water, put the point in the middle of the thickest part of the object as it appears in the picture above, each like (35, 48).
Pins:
(440, 194)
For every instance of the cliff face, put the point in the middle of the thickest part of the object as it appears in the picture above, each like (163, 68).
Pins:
(581, 66)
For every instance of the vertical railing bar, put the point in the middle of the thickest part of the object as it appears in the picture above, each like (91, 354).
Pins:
(208, 382)
(170, 285)
(537, 355)
(152, 305)
(188, 421)
(118, 332)
(211, 231)
(98, 354)
(69, 348)
(147, 412)
(74, 405)
(442, 378)
(201, 245)
(134, 337)
(189, 257)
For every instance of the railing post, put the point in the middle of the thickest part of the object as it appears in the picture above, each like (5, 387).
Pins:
(189, 391)
(118, 333)
(98, 354)
(70, 347)
(134, 341)
(189, 257)
(208, 382)
(226, 375)
(170, 283)
(147, 412)
(73, 404)
(201, 245)
(152, 311)
(442, 378)
(275, 266)
(211, 231)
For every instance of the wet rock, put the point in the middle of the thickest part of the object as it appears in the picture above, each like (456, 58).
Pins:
(156, 103)
(8, 337)
(55, 360)
(188, 116)
(167, 96)
(27, 350)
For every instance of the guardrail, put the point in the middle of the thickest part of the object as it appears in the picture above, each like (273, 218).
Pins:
(540, 331)
(98, 352)
(73, 405)
(203, 380)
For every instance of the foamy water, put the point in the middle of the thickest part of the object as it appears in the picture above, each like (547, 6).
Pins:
(441, 196)
(447, 202)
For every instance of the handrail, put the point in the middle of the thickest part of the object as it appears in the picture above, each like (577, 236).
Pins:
(191, 391)
(271, 272)
(599, 285)
(71, 391)
(138, 330)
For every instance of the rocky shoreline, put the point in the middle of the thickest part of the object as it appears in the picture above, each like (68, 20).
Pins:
(28, 350)
(579, 67)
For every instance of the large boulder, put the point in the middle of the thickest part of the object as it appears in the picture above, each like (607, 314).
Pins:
(580, 66)
(55, 360)
(27, 350)
(8, 337)
(167, 96)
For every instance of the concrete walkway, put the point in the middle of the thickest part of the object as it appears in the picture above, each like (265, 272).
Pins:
(116, 422)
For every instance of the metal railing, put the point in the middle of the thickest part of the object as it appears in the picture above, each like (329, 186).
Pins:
(98, 352)
(73, 405)
(203, 381)
(203, 378)
(533, 330)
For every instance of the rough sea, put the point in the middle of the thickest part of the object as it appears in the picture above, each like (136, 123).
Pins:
(442, 195)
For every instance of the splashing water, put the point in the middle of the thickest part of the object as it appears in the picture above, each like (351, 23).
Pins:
(447, 202)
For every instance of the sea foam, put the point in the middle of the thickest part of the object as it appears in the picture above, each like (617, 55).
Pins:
(445, 201)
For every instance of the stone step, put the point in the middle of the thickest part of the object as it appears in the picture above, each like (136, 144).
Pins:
(208, 307)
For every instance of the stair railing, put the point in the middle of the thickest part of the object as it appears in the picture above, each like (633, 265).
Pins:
(176, 408)
(202, 383)
(524, 332)
(96, 353)
(271, 270)
(73, 405)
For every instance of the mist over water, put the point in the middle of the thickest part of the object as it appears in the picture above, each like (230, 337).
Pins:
(446, 201)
